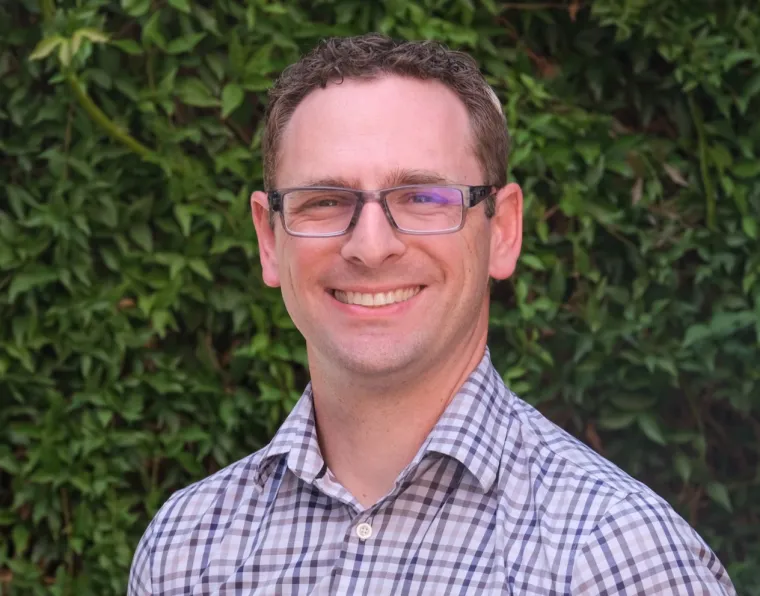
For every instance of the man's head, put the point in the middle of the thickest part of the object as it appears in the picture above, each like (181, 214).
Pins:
(365, 114)
(372, 56)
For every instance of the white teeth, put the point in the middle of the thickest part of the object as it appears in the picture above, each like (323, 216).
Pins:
(380, 299)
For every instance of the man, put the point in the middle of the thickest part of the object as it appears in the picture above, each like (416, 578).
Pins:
(407, 467)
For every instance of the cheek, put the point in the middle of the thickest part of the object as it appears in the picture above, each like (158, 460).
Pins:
(302, 263)
(293, 286)
(474, 282)
(476, 251)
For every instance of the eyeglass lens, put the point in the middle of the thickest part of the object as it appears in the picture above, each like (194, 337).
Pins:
(414, 209)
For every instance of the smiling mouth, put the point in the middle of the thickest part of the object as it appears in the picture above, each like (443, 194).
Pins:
(376, 300)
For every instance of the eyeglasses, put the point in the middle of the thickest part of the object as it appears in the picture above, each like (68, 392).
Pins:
(323, 211)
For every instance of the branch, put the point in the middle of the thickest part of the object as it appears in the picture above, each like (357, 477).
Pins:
(106, 123)
(704, 168)
(89, 106)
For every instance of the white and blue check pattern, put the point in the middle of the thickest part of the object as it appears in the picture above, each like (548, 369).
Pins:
(498, 501)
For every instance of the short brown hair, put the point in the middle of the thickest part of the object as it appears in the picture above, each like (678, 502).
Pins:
(374, 55)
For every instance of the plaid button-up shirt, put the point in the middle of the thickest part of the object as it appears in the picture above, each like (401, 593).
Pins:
(498, 500)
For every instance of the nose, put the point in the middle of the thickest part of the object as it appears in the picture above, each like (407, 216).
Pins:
(372, 241)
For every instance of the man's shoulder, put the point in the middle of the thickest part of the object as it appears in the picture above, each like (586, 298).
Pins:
(191, 516)
(589, 521)
(561, 484)
(222, 491)
(564, 461)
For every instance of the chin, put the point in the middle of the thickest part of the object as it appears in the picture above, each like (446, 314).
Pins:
(374, 359)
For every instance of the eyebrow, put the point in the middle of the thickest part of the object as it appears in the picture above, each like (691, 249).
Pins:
(397, 177)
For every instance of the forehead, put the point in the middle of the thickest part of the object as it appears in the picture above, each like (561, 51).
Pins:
(365, 130)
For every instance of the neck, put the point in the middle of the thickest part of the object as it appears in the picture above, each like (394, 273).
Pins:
(369, 433)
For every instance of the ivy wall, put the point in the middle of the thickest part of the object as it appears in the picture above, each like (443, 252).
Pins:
(140, 350)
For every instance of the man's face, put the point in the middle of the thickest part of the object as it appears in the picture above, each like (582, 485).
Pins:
(372, 135)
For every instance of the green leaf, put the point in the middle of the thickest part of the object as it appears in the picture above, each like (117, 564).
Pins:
(719, 493)
(752, 88)
(151, 31)
(206, 19)
(194, 93)
(181, 5)
(733, 57)
(232, 97)
(200, 267)
(65, 53)
(633, 402)
(261, 61)
(105, 417)
(110, 259)
(651, 428)
(184, 44)
(727, 323)
(10, 464)
(20, 539)
(135, 8)
(257, 83)
(274, 8)
(35, 278)
(161, 321)
(129, 46)
(557, 282)
(93, 35)
(142, 236)
(682, 465)
(749, 225)
(747, 169)
(46, 47)
(259, 343)
(532, 261)
(616, 420)
(696, 333)
(107, 211)
(175, 262)
(184, 216)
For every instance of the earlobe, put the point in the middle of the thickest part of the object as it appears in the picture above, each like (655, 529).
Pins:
(266, 239)
(506, 232)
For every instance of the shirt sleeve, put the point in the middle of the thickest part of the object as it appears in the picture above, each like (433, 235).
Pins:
(642, 546)
(140, 581)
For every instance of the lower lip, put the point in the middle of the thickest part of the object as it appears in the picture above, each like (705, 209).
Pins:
(376, 311)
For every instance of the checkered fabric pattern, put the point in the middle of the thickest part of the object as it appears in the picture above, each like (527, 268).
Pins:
(498, 501)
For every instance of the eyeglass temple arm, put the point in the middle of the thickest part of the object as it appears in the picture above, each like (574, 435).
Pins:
(275, 200)
(479, 194)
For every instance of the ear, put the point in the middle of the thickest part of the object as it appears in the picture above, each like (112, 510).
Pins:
(265, 233)
(506, 232)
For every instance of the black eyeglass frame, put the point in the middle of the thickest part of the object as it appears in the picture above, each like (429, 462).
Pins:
(471, 196)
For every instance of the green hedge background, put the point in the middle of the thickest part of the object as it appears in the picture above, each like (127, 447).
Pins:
(140, 351)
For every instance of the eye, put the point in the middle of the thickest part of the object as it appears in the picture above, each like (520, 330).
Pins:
(424, 198)
(325, 202)
(431, 197)
(318, 200)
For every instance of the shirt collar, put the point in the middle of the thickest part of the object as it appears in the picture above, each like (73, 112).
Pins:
(296, 438)
(471, 430)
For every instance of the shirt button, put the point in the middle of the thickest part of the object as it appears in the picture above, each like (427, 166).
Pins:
(364, 531)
